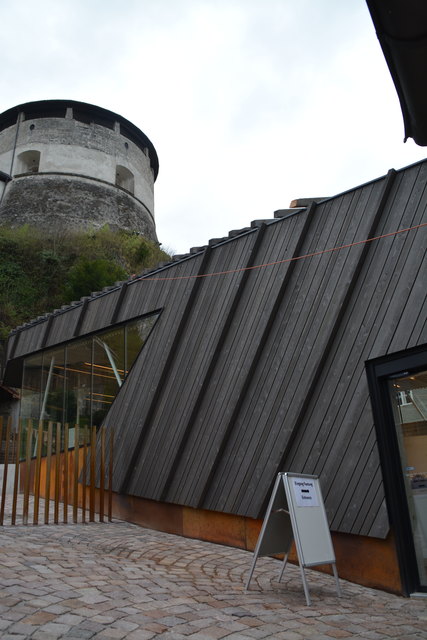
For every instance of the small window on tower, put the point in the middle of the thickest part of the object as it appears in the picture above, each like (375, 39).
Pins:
(28, 162)
(125, 178)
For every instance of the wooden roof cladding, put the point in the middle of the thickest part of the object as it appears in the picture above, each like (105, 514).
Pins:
(261, 369)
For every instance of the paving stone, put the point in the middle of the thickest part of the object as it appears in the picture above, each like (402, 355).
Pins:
(55, 629)
(89, 625)
(39, 617)
(69, 619)
(13, 616)
(171, 621)
(78, 634)
(118, 580)
(258, 633)
(103, 619)
(21, 628)
(124, 624)
(4, 624)
(111, 633)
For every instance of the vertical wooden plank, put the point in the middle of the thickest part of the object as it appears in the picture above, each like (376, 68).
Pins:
(70, 476)
(1, 433)
(92, 475)
(37, 473)
(84, 477)
(82, 314)
(48, 327)
(16, 479)
(12, 453)
(119, 303)
(3, 497)
(110, 478)
(48, 471)
(102, 478)
(262, 340)
(27, 471)
(166, 371)
(65, 476)
(204, 380)
(76, 472)
(353, 276)
(57, 470)
(6, 464)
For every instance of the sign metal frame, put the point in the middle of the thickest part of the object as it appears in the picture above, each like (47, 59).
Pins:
(296, 512)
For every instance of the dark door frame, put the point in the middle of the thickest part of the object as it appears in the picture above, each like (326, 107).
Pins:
(379, 371)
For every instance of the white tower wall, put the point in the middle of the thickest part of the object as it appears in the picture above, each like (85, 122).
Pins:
(77, 165)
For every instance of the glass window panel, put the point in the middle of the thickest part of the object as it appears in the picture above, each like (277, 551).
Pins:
(32, 381)
(136, 334)
(108, 371)
(409, 401)
(78, 383)
(52, 397)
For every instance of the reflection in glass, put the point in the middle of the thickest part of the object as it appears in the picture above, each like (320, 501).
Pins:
(52, 398)
(136, 334)
(32, 387)
(108, 371)
(409, 401)
(77, 383)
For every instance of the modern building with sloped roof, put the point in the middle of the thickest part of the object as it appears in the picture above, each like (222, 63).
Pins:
(296, 344)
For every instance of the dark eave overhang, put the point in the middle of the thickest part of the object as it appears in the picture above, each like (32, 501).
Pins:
(401, 27)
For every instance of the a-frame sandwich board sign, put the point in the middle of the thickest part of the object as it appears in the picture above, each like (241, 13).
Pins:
(296, 512)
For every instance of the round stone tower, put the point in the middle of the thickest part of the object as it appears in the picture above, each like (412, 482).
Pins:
(67, 164)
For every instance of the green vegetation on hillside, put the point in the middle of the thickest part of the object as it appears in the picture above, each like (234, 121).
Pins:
(40, 272)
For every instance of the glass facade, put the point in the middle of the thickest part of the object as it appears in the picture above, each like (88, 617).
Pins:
(408, 395)
(77, 383)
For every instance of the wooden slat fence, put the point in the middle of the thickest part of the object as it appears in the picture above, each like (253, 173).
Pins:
(52, 481)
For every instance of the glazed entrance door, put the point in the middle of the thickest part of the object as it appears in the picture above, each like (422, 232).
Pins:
(408, 395)
(398, 391)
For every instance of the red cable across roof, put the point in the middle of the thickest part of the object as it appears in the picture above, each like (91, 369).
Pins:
(270, 264)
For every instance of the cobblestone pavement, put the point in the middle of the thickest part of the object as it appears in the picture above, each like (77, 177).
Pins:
(118, 580)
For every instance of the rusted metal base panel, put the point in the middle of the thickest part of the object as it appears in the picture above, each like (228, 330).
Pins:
(148, 513)
(222, 528)
(371, 562)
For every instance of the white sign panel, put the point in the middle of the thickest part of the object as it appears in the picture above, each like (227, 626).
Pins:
(296, 511)
(305, 492)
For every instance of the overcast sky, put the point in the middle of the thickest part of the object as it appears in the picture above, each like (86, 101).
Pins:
(249, 103)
